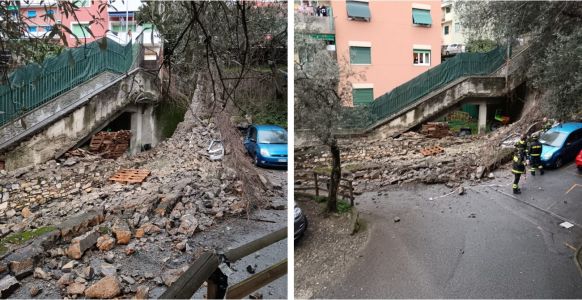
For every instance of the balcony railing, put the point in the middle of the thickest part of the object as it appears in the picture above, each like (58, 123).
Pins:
(314, 24)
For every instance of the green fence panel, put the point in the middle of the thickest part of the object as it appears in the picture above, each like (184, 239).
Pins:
(463, 64)
(34, 85)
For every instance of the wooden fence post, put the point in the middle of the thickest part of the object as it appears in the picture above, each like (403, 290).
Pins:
(316, 186)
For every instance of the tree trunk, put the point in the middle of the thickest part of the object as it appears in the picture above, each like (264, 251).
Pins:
(336, 173)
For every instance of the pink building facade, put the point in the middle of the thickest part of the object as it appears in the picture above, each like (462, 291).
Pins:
(39, 25)
(387, 42)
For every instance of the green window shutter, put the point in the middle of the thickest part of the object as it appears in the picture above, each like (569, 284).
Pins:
(421, 16)
(116, 28)
(358, 9)
(361, 55)
(362, 96)
(446, 30)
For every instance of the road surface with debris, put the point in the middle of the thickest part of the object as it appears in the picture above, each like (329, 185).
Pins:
(485, 243)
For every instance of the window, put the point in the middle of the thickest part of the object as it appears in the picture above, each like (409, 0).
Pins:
(362, 96)
(82, 3)
(421, 17)
(457, 27)
(80, 30)
(48, 28)
(446, 30)
(31, 29)
(50, 12)
(360, 55)
(358, 10)
(32, 13)
(421, 57)
(447, 9)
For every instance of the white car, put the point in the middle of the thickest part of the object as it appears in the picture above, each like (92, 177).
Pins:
(453, 49)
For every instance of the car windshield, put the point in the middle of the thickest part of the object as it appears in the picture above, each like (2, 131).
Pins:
(273, 136)
(554, 138)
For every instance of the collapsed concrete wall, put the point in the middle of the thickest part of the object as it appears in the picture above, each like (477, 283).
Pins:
(53, 140)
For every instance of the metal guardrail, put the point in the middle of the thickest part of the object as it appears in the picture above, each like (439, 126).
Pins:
(32, 86)
(210, 266)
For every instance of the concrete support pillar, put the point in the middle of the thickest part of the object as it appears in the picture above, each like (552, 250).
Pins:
(482, 123)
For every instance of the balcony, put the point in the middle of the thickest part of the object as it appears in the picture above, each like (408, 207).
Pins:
(314, 24)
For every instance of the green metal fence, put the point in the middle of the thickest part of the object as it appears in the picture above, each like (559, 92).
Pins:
(34, 85)
(463, 64)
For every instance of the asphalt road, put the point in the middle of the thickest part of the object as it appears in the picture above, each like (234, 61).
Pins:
(484, 244)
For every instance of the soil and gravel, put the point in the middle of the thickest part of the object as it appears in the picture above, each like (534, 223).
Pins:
(326, 250)
(134, 240)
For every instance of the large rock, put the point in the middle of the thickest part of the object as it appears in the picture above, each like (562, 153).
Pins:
(107, 287)
(142, 292)
(82, 243)
(122, 232)
(22, 261)
(76, 288)
(188, 224)
(40, 273)
(80, 223)
(105, 242)
(8, 284)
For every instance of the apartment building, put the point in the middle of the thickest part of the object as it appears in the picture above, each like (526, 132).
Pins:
(35, 11)
(452, 30)
(387, 42)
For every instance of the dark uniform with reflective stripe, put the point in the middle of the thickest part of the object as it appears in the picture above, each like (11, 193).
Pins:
(518, 169)
(535, 159)
(521, 147)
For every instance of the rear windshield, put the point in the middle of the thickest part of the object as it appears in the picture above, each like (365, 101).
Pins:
(554, 138)
(272, 137)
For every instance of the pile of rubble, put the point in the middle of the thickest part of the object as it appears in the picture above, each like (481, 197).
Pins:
(373, 163)
(101, 239)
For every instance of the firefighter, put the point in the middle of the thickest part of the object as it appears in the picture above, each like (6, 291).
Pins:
(535, 152)
(521, 146)
(518, 169)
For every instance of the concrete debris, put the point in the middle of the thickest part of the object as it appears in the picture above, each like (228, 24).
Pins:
(106, 288)
(142, 292)
(76, 288)
(80, 244)
(461, 190)
(94, 224)
(396, 219)
(252, 269)
(34, 291)
(7, 285)
(105, 242)
(215, 150)
(40, 273)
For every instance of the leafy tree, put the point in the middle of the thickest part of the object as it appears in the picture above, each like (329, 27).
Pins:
(480, 45)
(319, 94)
(229, 41)
(553, 32)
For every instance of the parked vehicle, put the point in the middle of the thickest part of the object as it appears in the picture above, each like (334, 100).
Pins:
(579, 161)
(267, 145)
(300, 222)
(453, 49)
(560, 144)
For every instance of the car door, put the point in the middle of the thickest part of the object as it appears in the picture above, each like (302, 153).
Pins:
(248, 140)
(573, 144)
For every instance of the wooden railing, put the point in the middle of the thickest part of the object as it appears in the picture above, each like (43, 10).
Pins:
(208, 268)
(346, 188)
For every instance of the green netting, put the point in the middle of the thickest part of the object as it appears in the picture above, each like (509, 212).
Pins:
(463, 64)
(33, 85)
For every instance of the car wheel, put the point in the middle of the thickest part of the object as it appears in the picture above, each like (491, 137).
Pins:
(559, 162)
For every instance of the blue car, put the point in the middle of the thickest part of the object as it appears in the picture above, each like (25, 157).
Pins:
(560, 144)
(267, 145)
